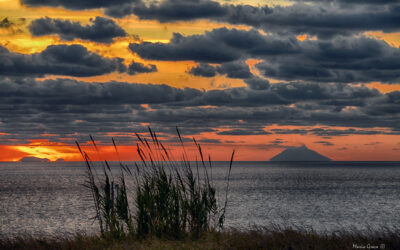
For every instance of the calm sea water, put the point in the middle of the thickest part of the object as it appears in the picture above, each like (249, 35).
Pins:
(43, 199)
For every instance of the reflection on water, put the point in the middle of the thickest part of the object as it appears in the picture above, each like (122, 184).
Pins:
(49, 199)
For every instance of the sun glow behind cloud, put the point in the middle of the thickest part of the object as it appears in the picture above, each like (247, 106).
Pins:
(45, 149)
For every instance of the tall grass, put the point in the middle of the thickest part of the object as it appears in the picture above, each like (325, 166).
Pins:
(171, 198)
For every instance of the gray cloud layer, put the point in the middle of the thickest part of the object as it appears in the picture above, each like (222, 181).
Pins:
(101, 30)
(63, 106)
(72, 60)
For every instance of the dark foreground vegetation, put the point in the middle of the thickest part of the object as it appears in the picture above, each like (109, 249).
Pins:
(173, 204)
(168, 197)
(230, 239)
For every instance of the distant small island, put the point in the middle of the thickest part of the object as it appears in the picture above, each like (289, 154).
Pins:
(301, 153)
(33, 159)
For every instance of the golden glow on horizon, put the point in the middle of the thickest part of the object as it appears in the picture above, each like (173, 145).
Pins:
(249, 148)
(50, 152)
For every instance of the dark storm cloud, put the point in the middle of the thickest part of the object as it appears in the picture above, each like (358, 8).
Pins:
(342, 59)
(217, 46)
(267, 115)
(204, 70)
(100, 30)
(65, 91)
(321, 96)
(137, 68)
(387, 104)
(73, 60)
(359, 59)
(323, 20)
(235, 70)
(239, 97)
(238, 70)
(257, 83)
(324, 93)
(244, 131)
(64, 106)
(197, 48)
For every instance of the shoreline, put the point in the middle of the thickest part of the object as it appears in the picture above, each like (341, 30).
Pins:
(257, 238)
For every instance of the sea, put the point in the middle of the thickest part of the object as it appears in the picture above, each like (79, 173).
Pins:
(50, 199)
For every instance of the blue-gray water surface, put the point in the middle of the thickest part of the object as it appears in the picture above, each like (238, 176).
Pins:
(47, 199)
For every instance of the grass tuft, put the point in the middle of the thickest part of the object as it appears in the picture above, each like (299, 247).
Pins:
(171, 200)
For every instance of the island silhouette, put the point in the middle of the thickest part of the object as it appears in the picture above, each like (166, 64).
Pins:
(301, 153)
(33, 159)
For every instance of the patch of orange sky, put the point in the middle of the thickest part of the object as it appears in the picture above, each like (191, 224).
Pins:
(393, 39)
(384, 88)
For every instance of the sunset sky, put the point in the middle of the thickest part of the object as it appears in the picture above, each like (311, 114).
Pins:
(255, 76)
